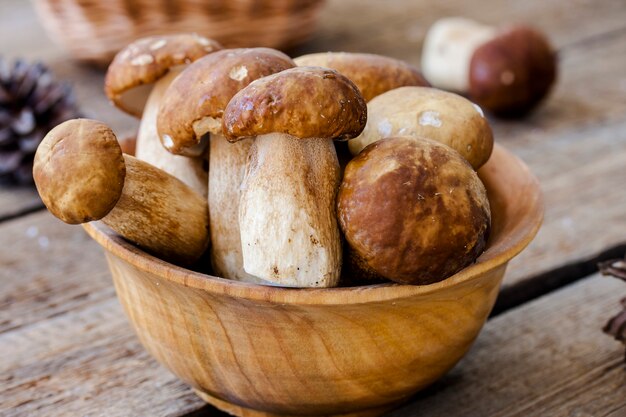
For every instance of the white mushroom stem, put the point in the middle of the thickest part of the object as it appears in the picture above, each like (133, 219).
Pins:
(228, 164)
(150, 149)
(289, 231)
(448, 49)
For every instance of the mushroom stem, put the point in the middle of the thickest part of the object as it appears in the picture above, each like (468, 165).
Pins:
(160, 214)
(289, 231)
(149, 148)
(228, 163)
(448, 51)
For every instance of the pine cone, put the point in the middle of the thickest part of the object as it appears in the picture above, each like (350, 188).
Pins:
(31, 103)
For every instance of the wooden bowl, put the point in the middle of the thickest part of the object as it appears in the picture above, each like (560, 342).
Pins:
(256, 350)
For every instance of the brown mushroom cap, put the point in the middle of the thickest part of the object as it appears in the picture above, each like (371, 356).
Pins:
(143, 62)
(196, 99)
(428, 112)
(413, 210)
(305, 102)
(79, 170)
(372, 74)
(512, 72)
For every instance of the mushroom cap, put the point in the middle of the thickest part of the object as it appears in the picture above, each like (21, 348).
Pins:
(305, 102)
(129, 77)
(372, 74)
(413, 210)
(195, 101)
(431, 113)
(513, 71)
(79, 170)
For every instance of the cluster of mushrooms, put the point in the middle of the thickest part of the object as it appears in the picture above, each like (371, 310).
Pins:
(264, 132)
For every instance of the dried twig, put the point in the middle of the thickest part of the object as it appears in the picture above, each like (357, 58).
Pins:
(616, 326)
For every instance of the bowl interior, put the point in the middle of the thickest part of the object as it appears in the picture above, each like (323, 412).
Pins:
(517, 212)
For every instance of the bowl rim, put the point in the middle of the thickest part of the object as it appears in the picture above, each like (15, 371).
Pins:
(493, 257)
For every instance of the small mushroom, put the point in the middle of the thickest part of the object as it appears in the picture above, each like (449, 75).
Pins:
(412, 211)
(289, 231)
(372, 74)
(82, 175)
(427, 112)
(507, 71)
(136, 81)
(193, 106)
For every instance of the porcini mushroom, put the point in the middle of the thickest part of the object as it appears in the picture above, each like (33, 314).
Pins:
(372, 74)
(82, 175)
(136, 81)
(289, 231)
(193, 106)
(506, 70)
(428, 112)
(412, 210)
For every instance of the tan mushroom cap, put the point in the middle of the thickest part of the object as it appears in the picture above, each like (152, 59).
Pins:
(79, 170)
(431, 113)
(413, 210)
(305, 102)
(372, 74)
(195, 101)
(513, 71)
(133, 70)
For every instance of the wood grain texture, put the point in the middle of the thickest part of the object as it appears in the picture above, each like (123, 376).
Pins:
(67, 348)
(267, 351)
(547, 358)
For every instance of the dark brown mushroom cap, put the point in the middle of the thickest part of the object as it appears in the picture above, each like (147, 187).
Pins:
(144, 61)
(79, 170)
(196, 99)
(512, 72)
(413, 210)
(372, 74)
(305, 102)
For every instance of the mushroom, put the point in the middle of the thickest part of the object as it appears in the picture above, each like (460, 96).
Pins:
(372, 74)
(507, 70)
(82, 175)
(136, 81)
(289, 232)
(431, 113)
(412, 210)
(191, 107)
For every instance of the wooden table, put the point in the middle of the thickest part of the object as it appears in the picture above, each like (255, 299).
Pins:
(67, 349)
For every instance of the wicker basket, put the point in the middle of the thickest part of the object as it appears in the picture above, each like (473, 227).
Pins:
(94, 30)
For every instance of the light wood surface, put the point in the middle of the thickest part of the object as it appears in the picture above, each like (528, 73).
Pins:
(53, 279)
(67, 348)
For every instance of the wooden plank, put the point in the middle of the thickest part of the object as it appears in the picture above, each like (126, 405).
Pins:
(17, 200)
(547, 358)
(66, 346)
(579, 158)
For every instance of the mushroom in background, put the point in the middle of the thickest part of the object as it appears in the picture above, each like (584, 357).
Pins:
(507, 70)
(136, 81)
(287, 217)
(193, 106)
